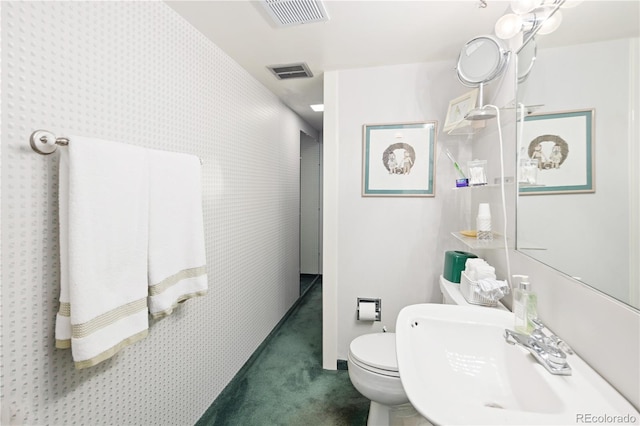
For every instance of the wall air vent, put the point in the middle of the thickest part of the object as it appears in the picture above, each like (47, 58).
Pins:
(284, 72)
(285, 13)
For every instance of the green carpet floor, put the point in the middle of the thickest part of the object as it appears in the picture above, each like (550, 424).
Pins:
(284, 383)
(306, 281)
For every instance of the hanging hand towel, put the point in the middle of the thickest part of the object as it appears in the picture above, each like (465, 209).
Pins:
(103, 201)
(177, 257)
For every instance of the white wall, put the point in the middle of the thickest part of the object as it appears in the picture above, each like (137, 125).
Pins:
(380, 247)
(136, 72)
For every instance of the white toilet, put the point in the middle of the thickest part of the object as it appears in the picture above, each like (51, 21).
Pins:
(373, 370)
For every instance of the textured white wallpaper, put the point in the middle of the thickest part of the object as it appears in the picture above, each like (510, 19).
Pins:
(136, 72)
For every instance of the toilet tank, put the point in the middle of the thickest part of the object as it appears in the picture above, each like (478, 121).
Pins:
(451, 294)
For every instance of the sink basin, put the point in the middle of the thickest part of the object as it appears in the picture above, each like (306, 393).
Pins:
(456, 368)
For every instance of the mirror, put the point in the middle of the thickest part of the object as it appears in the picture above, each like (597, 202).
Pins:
(579, 214)
(481, 60)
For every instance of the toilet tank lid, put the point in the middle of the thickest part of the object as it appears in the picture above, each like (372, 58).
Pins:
(377, 350)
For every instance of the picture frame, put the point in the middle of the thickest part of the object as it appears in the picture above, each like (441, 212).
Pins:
(458, 109)
(398, 159)
(563, 144)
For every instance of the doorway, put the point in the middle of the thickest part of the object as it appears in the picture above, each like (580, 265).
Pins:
(310, 205)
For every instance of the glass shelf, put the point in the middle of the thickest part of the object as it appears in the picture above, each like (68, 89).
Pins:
(491, 185)
(474, 243)
(496, 243)
(508, 181)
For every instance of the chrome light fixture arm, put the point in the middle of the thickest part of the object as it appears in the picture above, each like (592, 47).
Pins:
(540, 20)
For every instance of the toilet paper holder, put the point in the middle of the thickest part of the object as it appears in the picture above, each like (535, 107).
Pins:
(378, 308)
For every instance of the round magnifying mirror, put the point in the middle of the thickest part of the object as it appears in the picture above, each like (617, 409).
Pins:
(481, 60)
(526, 59)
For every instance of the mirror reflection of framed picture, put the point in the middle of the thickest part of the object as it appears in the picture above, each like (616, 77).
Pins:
(399, 160)
(458, 108)
(562, 146)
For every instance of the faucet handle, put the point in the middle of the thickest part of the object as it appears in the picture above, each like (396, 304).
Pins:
(554, 355)
(552, 340)
(560, 344)
(537, 333)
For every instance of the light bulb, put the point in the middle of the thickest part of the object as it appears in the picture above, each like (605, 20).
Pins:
(508, 26)
(524, 6)
(551, 23)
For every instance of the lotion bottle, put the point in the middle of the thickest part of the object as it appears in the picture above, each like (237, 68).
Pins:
(525, 304)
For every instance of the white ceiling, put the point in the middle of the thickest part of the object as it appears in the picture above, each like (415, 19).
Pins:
(365, 33)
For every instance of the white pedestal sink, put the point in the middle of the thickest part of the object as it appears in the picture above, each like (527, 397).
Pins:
(456, 368)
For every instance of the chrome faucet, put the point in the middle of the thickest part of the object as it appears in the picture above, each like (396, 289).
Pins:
(545, 349)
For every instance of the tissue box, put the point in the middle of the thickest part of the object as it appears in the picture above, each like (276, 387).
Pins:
(468, 290)
(454, 264)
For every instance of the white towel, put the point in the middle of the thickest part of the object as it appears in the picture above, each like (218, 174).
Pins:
(103, 198)
(177, 257)
(478, 269)
(492, 289)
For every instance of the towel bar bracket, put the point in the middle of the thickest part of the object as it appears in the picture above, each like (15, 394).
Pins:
(45, 143)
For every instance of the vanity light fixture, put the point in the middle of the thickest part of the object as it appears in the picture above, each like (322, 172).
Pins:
(532, 17)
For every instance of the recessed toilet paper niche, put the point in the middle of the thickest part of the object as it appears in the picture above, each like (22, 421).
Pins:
(369, 309)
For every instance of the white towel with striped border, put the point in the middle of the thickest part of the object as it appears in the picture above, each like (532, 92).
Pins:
(103, 203)
(177, 257)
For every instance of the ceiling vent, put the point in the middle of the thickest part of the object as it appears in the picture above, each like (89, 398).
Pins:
(284, 72)
(285, 13)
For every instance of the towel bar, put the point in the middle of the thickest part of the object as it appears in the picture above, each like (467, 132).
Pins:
(44, 142)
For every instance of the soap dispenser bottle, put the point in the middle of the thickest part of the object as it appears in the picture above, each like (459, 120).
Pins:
(524, 305)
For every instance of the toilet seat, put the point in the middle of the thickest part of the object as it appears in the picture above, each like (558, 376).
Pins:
(376, 353)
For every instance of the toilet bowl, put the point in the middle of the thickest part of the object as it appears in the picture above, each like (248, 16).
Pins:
(373, 370)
